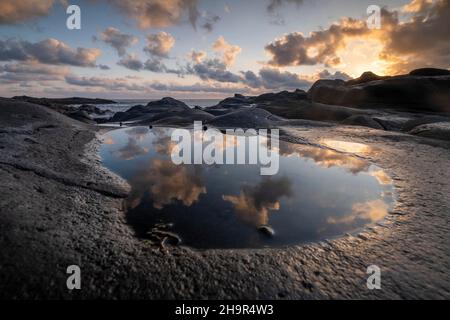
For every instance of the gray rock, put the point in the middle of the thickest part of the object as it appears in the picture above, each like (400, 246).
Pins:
(364, 121)
(247, 118)
(411, 124)
(440, 131)
(267, 231)
(82, 116)
(147, 113)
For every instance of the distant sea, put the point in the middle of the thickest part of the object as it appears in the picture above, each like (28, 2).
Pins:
(123, 105)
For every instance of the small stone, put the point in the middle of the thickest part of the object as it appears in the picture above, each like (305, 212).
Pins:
(267, 231)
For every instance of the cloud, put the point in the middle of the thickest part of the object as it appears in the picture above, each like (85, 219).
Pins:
(132, 62)
(208, 25)
(49, 51)
(113, 84)
(254, 202)
(118, 40)
(419, 39)
(18, 11)
(126, 84)
(320, 47)
(213, 69)
(198, 87)
(325, 74)
(155, 65)
(197, 56)
(274, 5)
(158, 13)
(274, 79)
(229, 52)
(31, 71)
(159, 44)
(422, 41)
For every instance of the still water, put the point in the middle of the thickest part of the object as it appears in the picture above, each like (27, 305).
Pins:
(317, 194)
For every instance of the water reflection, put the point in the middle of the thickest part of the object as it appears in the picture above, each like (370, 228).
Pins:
(317, 194)
(346, 146)
(252, 205)
(166, 183)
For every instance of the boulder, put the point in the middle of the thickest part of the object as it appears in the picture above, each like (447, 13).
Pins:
(178, 118)
(366, 77)
(92, 109)
(429, 72)
(247, 118)
(266, 231)
(82, 116)
(312, 111)
(147, 113)
(168, 104)
(411, 124)
(440, 131)
(407, 92)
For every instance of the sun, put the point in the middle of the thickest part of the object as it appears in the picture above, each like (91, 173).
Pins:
(361, 55)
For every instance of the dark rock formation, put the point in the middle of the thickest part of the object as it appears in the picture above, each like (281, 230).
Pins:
(247, 118)
(81, 115)
(168, 104)
(93, 109)
(63, 101)
(366, 77)
(411, 124)
(439, 130)
(147, 113)
(417, 92)
(429, 72)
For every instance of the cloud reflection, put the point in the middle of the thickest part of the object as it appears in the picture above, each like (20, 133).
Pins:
(167, 183)
(252, 205)
(131, 150)
(370, 211)
(325, 158)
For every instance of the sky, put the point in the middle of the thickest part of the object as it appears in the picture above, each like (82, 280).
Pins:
(147, 49)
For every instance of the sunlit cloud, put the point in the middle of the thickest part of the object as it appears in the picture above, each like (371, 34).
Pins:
(18, 11)
(398, 47)
(254, 203)
(371, 211)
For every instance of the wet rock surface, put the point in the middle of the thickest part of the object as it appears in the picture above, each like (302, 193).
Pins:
(60, 207)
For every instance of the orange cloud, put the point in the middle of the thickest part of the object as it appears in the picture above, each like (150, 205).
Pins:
(253, 204)
(17, 11)
(372, 211)
(229, 52)
(417, 40)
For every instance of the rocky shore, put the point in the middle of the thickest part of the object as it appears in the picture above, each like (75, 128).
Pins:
(417, 104)
(60, 207)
